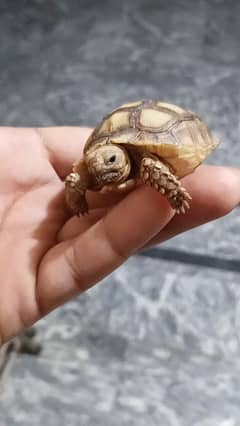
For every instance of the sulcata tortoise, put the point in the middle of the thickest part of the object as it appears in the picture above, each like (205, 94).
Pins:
(147, 141)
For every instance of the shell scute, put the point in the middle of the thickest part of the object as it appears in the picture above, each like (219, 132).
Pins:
(153, 119)
(169, 131)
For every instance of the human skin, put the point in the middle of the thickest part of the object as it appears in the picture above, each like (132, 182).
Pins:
(48, 257)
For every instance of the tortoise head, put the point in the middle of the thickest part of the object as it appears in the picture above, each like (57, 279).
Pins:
(108, 164)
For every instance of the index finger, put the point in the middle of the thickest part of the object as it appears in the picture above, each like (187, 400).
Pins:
(64, 145)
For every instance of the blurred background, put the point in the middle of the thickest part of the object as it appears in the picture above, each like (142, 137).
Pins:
(158, 341)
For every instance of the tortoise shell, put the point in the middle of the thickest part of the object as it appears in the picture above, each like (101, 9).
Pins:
(177, 136)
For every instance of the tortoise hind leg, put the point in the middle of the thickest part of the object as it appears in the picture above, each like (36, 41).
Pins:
(156, 174)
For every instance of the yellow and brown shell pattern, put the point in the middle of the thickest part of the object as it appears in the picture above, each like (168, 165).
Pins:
(176, 135)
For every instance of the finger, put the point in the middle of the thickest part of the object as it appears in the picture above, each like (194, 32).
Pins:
(64, 145)
(97, 201)
(74, 266)
(77, 225)
(215, 191)
(98, 205)
(208, 187)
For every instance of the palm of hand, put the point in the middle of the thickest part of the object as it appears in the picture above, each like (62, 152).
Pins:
(32, 211)
(36, 268)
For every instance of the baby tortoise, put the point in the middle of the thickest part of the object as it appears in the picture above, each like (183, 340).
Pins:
(147, 141)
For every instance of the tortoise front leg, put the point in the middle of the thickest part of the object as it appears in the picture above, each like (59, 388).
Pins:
(156, 174)
(76, 185)
(75, 194)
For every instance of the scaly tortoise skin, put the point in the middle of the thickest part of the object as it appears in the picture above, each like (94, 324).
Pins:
(147, 141)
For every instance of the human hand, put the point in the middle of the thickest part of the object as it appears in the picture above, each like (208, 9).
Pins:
(48, 257)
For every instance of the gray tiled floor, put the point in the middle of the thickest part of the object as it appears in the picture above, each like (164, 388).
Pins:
(148, 345)
(155, 343)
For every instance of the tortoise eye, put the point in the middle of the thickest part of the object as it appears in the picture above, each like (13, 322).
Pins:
(112, 159)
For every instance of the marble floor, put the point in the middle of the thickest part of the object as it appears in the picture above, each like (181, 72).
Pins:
(157, 342)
